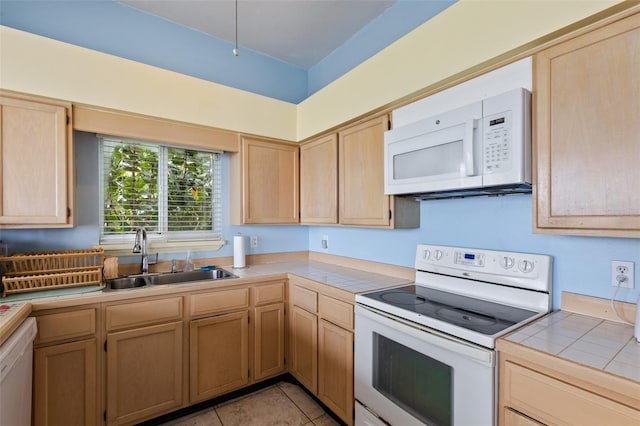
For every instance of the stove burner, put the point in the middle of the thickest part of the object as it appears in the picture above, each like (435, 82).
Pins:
(402, 298)
(463, 317)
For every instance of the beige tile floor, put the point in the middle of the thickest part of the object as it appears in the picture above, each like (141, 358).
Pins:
(283, 404)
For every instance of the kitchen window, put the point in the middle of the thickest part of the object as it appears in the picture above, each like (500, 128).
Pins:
(175, 193)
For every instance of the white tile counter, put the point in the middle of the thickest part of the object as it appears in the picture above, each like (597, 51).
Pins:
(343, 278)
(605, 345)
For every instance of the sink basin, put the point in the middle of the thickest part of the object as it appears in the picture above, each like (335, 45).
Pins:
(138, 281)
(125, 283)
(185, 277)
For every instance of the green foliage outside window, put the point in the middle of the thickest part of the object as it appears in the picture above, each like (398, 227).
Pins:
(162, 189)
(190, 190)
(131, 189)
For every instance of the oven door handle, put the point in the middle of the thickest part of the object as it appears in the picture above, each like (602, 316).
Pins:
(472, 352)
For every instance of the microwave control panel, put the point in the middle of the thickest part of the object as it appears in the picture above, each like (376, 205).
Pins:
(497, 143)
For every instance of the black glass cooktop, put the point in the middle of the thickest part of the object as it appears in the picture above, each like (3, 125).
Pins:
(474, 314)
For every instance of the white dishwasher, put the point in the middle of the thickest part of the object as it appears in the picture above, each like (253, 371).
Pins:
(16, 364)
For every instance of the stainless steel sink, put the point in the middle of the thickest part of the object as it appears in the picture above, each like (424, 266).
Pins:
(138, 281)
(185, 277)
(124, 283)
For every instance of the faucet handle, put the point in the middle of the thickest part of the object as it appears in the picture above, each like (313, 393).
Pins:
(174, 266)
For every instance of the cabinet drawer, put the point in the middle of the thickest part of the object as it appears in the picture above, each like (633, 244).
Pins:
(304, 298)
(66, 325)
(218, 301)
(336, 311)
(143, 313)
(270, 293)
(552, 401)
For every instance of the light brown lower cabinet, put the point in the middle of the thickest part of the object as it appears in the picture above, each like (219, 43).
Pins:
(218, 352)
(540, 389)
(303, 347)
(144, 372)
(335, 368)
(65, 368)
(268, 340)
(321, 345)
(145, 357)
(65, 384)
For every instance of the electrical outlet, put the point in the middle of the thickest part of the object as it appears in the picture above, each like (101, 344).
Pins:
(325, 242)
(254, 241)
(622, 273)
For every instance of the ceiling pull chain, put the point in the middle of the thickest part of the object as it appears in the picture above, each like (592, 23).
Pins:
(236, 52)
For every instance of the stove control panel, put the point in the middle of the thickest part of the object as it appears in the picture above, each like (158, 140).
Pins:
(512, 268)
(469, 258)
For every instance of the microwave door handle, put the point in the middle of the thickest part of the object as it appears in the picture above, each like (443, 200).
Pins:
(468, 148)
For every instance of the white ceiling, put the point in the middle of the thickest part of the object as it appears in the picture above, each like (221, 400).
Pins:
(299, 32)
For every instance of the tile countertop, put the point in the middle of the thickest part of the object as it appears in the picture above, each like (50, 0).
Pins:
(601, 344)
(11, 316)
(343, 278)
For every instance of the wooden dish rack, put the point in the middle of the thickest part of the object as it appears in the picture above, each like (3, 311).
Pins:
(51, 270)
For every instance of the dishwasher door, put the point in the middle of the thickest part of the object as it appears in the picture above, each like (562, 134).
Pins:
(16, 366)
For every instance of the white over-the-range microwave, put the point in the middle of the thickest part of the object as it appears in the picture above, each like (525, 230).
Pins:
(483, 148)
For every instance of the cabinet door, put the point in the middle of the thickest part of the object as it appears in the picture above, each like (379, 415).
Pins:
(268, 341)
(35, 155)
(218, 351)
(586, 133)
(303, 347)
(335, 369)
(319, 180)
(270, 181)
(65, 385)
(361, 167)
(144, 372)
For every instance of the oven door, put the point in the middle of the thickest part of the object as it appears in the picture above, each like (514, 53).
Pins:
(408, 374)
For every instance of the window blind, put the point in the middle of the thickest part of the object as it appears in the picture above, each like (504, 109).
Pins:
(175, 193)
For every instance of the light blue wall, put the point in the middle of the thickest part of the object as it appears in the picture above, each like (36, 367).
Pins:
(395, 22)
(114, 28)
(581, 264)
(111, 27)
(271, 239)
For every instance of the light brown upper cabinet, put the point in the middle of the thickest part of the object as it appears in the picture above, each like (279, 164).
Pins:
(264, 182)
(587, 133)
(319, 180)
(362, 201)
(36, 163)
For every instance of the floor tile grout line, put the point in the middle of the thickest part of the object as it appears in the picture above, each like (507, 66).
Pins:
(296, 405)
(215, 410)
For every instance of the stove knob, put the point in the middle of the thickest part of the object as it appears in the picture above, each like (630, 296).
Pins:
(526, 266)
(507, 262)
(426, 254)
(439, 254)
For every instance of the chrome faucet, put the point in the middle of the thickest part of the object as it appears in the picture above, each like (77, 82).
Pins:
(140, 246)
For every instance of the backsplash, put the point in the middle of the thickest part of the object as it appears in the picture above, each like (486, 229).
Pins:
(581, 264)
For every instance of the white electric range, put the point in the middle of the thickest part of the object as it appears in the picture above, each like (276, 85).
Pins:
(425, 352)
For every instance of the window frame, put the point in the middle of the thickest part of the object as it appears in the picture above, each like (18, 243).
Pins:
(164, 241)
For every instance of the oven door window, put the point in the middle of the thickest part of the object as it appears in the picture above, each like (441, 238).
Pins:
(415, 382)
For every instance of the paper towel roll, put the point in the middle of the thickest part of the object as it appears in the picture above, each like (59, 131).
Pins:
(239, 260)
